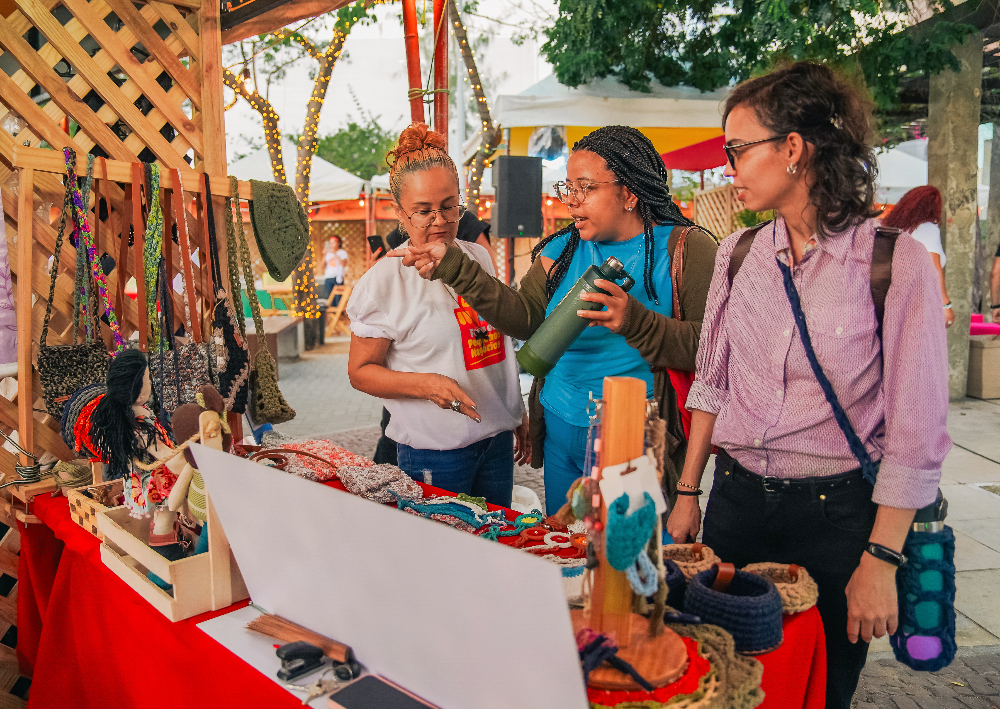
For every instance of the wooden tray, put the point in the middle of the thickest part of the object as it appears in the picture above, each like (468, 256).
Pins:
(83, 509)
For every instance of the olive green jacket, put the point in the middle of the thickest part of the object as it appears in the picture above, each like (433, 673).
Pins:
(663, 342)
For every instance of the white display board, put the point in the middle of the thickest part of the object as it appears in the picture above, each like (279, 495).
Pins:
(463, 622)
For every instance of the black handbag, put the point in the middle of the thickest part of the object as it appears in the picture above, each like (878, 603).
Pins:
(64, 369)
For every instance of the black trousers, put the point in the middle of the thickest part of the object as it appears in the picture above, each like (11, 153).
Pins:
(825, 531)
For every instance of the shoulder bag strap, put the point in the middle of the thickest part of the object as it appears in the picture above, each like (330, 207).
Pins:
(882, 250)
(245, 262)
(741, 250)
(234, 256)
(868, 468)
(123, 244)
(677, 269)
(185, 247)
(139, 229)
(67, 204)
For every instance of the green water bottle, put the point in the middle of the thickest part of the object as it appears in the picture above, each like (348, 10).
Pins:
(554, 336)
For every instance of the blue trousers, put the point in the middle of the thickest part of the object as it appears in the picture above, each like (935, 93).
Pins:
(481, 469)
(565, 450)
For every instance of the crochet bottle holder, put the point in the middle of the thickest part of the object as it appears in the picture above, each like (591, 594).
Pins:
(797, 588)
(691, 558)
(627, 534)
(749, 608)
(925, 587)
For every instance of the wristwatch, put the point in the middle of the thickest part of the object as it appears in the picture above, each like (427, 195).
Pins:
(886, 554)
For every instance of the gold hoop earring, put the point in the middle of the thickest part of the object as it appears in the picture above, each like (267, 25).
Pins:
(792, 169)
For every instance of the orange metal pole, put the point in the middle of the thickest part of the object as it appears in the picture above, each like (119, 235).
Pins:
(413, 60)
(441, 70)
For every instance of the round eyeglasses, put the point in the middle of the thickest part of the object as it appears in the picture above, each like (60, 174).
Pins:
(423, 218)
(579, 190)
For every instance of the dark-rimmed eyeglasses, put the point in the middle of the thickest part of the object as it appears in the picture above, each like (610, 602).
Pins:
(578, 191)
(731, 153)
(423, 218)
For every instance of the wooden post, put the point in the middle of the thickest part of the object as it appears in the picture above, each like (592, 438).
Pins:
(441, 70)
(413, 60)
(623, 424)
(25, 247)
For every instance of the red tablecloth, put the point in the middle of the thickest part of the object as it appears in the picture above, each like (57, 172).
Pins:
(88, 640)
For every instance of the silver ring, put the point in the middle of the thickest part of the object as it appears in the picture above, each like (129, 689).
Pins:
(456, 405)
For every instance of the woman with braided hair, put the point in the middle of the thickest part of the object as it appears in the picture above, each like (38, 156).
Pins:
(617, 194)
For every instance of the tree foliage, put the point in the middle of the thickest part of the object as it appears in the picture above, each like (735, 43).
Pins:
(709, 44)
(359, 148)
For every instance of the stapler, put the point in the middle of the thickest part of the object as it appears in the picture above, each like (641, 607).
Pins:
(297, 659)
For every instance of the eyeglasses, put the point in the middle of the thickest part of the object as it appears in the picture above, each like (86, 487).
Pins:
(423, 218)
(579, 191)
(731, 153)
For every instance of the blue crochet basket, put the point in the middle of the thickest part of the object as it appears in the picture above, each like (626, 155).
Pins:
(749, 609)
(676, 583)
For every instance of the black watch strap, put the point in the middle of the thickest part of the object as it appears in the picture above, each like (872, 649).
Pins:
(886, 554)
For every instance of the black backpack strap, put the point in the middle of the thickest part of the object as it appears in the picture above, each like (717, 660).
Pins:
(741, 250)
(881, 275)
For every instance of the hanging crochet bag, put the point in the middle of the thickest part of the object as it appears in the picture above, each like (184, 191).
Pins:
(267, 405)
(231, 366)
(184, 368)
(280, 227)
(64, 369)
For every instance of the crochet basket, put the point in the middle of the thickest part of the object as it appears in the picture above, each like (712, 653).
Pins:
(676, 583)
(691, 558)
(797, 588)
(749, 609)
(86, 502)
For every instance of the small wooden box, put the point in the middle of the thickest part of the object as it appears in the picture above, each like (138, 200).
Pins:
(83, 508)
(201, 583)
(984, 367)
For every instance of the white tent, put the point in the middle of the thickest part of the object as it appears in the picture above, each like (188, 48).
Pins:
(380, 182)
(328, 182)
(904, 167)
(608, 102)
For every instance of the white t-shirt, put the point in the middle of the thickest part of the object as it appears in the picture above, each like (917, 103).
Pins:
(335, 263)
(929, 235)
(432, 332)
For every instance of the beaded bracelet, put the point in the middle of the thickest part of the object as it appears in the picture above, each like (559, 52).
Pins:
(681, 483)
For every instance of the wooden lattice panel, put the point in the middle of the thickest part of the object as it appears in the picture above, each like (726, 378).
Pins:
(715, 209)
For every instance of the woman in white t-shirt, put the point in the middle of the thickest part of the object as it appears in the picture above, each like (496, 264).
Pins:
(919, 212)
(335, 266)
(448, 379)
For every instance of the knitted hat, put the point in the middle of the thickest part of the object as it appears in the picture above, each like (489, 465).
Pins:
(749, 608)
(691, 558)
(280, 227)
(797, 588)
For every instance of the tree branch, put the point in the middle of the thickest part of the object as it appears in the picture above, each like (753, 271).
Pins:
(270, 117)
(301, 40)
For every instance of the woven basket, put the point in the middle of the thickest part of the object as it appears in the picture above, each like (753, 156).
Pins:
(691, 558)
(749, 609)
(83, 508)
(797, 588)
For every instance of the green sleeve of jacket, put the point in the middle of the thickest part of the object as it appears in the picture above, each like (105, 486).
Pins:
(515, 313)
(668, 342)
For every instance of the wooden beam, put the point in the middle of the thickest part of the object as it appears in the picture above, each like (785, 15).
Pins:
(213, 126)
(25, 209)
(180, 27)
(281, 16)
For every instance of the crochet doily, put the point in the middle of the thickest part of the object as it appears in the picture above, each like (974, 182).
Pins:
(797, 594)
(738, 676)
(690, 562)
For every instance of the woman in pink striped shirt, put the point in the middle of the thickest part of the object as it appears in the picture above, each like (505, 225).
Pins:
(830, 422)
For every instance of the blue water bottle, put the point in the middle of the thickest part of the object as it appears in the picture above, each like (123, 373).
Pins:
(925, 584)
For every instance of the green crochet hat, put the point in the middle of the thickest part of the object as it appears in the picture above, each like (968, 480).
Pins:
(280, 227)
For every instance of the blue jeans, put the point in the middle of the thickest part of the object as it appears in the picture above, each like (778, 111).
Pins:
(481, 469)
(565, 450)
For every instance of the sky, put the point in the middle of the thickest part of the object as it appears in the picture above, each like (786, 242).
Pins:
(372, 73)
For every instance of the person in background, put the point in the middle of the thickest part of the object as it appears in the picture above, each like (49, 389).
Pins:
(919, 212)
(793, 481)
(448, 379)
(335, 266)
(616, 191)
(470, 230)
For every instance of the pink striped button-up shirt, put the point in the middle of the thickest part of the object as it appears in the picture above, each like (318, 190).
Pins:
(753, 373)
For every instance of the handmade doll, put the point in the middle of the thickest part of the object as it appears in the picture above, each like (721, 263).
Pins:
(188, 494)
(136, 447)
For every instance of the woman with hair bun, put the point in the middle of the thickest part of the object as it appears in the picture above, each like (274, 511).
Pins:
(822, 369)
(448, 379)
(617, 193)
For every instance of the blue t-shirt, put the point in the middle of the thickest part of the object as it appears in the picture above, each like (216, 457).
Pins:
(598, 352)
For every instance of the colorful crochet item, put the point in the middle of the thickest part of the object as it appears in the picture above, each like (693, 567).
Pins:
(478, 501)
(381, 482)
(627, 534)
(81, 230)
(925, 586)
(676, 583)
(310, 468)
(152, 253)
(596, 649)
(797, 588)
(691, 558)
(468, 512)
(749, 609)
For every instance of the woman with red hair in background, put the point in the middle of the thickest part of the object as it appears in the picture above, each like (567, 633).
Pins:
(919, 212)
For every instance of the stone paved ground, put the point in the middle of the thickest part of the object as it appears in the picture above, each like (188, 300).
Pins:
(972, 680)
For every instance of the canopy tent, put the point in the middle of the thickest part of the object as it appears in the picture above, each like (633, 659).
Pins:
(904, 167)
(672, 117)
(327, 183)
(706, 155)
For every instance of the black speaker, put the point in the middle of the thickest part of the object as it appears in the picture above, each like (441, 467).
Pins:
(518, 208)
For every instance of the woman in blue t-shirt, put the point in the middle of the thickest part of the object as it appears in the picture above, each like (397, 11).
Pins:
(618, 197)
